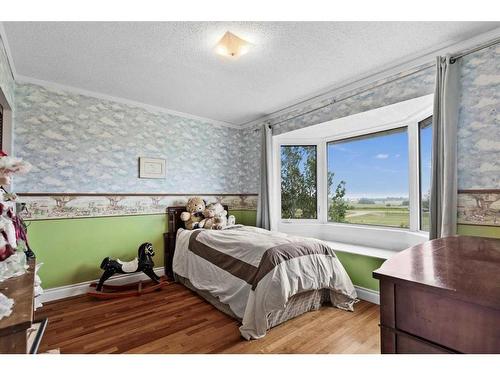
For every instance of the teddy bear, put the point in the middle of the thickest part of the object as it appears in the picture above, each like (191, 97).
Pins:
(194, 213)
(209, 216)
(216, 217)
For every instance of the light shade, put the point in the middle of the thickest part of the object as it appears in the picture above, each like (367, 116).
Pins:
(232, 46)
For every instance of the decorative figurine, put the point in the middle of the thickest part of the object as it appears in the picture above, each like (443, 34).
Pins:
(143, 263)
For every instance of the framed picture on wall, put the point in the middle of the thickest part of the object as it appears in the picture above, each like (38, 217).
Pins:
(152, 168)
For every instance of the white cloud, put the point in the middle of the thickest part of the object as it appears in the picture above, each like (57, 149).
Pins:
(53, 135)
(67, 173)
(52, 181)
(382, 156)
(488, 145)
(51, 151)
(478, 125)
(489, 167)
(62, 164)
(487, 79)
(63, 118)
(50, 104)
(107, 121)
(32, 120)
(484, 102)
(108, 163)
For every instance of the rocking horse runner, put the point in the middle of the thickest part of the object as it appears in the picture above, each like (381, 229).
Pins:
(143, 263)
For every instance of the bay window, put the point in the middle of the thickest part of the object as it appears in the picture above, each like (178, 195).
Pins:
(367, 170)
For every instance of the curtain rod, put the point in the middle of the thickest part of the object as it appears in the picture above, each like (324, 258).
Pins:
(334, 101)
(475, 49)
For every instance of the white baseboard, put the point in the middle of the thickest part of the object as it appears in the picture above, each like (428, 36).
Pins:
(66, 291)
(368, 294)
(72, 290)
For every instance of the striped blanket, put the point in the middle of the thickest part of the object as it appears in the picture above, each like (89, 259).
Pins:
(256, 271)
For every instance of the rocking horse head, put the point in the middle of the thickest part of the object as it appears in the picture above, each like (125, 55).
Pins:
(145, 251)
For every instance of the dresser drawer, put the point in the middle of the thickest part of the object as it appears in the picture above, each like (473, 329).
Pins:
(452, 323)
(410, 345)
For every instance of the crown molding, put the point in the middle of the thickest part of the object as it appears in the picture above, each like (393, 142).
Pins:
(407, 63)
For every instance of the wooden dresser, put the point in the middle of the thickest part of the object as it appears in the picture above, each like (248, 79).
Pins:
(442, 296)
(18, 333)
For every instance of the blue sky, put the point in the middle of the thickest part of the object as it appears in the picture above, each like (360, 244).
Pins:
(376, 167)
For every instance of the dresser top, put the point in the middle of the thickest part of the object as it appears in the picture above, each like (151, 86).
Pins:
(468, 267)
(20, 289)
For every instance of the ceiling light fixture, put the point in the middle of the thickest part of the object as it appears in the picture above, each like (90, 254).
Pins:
(232, 46)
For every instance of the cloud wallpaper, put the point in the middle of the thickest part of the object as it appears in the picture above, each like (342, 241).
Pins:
(77, 143)
(404, 86)
(479, 121)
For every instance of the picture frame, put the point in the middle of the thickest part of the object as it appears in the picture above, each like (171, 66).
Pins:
(152, 167)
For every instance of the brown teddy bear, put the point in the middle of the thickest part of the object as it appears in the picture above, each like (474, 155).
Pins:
(194, 213)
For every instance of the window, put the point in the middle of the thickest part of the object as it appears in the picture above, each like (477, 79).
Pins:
(351, 174)
(425, 154)
(368, 179)
(298, 182)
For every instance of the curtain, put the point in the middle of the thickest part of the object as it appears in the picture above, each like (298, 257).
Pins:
(443, 200)
(264, 199)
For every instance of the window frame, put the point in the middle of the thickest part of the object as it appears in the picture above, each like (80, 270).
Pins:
(421, 122)
(277, 176)
(369, 135)
(411, 123)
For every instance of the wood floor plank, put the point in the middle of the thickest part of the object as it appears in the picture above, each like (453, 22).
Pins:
(176, 320)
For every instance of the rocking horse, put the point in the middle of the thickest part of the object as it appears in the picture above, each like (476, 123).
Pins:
(143, 263)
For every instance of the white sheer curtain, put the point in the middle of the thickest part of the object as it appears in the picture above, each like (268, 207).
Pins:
(443, 203)
(264, 200)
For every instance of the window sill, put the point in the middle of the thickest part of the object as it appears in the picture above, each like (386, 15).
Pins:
(377, 242)
(373, 252)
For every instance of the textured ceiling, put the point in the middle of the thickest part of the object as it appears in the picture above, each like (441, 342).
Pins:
(172, 64)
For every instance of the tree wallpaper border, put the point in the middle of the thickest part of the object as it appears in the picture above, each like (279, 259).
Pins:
(71, 206)
(479, 207)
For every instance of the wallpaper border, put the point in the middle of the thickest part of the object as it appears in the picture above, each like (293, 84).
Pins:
(53, 206)
(479, 207)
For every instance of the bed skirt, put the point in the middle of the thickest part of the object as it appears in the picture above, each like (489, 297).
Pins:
(297, 305)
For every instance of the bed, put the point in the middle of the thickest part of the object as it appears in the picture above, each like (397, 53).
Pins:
(258, 277)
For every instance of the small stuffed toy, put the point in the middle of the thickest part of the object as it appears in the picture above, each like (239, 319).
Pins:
(220, 216)
(194, 213)
(209, 215)
(216, 217)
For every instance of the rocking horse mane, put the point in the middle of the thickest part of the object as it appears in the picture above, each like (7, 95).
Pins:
(141, 252)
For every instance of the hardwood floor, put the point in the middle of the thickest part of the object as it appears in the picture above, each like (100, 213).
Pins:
(176, 320)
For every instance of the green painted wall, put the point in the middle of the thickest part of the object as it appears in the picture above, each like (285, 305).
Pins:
(72, 249)
(245, 217)
(480, 231)
(360, 268)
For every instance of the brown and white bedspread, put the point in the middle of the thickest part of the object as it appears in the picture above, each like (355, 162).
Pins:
(256, 271)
